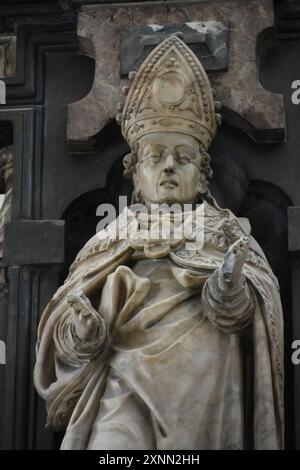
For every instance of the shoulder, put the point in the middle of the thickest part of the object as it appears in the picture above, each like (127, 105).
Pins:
(112, 235)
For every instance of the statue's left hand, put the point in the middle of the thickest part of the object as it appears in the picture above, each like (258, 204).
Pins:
(231, 270)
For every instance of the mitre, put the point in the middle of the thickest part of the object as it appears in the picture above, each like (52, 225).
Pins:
(170, 93)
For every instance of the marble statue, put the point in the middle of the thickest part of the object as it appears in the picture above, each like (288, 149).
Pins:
(157, 343)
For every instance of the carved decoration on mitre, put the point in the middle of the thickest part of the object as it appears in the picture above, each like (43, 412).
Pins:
(170, 93)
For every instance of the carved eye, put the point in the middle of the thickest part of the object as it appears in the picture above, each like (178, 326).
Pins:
(153, 158)
(184, 158)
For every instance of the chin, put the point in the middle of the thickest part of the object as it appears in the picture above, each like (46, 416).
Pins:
(175, 199)
(170, 197)
(170, 201)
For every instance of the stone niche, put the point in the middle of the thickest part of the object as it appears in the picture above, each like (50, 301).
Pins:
(228, 39)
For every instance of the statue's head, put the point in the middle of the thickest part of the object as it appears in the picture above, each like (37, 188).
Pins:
(169, 122)
(169, 169)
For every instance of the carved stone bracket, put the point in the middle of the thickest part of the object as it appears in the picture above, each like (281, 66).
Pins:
(23, 238)
(246, 104)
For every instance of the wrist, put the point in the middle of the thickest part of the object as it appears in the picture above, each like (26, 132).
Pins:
(234, 285)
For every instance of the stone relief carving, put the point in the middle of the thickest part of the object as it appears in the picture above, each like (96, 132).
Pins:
(166, 342)
(7, 55)
(6, 172)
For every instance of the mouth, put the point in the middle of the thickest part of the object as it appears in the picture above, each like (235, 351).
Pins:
(169, 184)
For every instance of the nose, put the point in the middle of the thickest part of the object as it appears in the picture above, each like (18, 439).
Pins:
(169, 166)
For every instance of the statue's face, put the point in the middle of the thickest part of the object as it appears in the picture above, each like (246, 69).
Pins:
(168, 168)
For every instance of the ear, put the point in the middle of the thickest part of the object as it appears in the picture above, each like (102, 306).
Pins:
(202, 184)
(129, 162)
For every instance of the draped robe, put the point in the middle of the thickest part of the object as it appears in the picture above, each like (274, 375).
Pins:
(181, 369)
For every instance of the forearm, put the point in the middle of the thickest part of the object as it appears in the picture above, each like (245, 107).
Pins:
(228, 307)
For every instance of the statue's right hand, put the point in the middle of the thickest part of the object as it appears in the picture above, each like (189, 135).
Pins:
(234, 260)
(87, 321)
